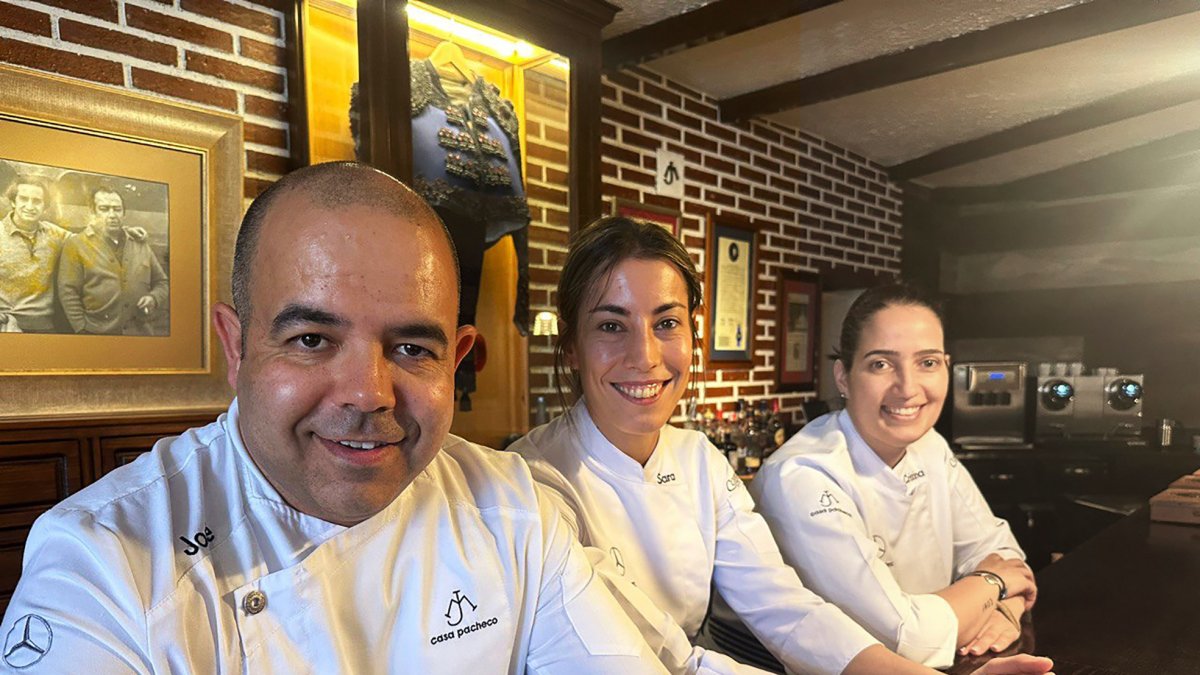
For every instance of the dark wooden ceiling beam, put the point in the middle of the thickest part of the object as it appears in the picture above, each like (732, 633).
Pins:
(1008, 39)
(713, 21)
(1140, 101)
(1126, 218)
(1166, 162)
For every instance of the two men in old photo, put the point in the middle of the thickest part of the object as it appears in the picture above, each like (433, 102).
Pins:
(82, 253)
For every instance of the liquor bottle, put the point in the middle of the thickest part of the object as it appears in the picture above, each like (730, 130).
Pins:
(728, 445)
(739, 426)
(710, 427)
(750, 434)
(776, 426)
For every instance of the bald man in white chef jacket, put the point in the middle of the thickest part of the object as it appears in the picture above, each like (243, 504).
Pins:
(327, 523)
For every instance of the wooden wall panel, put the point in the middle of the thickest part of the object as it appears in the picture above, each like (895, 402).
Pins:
(42, 463)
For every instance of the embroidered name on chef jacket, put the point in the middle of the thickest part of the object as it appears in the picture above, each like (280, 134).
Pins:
(461, 619)
(910, 477)
(664, 478)
(198, 541)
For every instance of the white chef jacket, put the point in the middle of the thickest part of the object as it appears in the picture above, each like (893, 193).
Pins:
(159, 567)
(680, 523)
(879, 541)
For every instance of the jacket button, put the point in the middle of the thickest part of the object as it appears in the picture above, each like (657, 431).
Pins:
(254, 602)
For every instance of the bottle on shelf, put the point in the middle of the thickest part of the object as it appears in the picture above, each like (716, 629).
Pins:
(710, 427)
(755, 437)
(728, 445)
(777, 427)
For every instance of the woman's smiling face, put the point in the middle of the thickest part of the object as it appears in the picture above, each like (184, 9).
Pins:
(633, 348)
(897, 379)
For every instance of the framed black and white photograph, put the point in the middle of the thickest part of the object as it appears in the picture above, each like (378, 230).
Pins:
(82, 253)
(117, 220)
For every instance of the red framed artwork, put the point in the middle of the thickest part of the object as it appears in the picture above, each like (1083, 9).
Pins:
(797, 323)
(668, 218)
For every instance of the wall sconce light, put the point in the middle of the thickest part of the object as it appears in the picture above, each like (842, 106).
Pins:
(545, 323)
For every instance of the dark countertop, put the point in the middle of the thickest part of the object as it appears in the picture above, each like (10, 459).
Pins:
(1126, 602)
(1071, 449)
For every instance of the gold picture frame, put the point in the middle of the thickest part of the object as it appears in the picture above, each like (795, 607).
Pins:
(115, 139)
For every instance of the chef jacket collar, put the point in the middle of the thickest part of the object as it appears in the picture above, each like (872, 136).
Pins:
(607, 458)
(869, 464)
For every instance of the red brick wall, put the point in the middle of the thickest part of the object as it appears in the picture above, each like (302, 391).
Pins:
(816, 204)
(546, 166)
(226, 55)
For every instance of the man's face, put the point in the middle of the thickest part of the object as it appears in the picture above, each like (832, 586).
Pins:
(110, 210)
(346, 384)
(29, 205)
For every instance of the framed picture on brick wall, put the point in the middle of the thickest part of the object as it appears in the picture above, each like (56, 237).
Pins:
(729, 274)
(668, 218)
(797, 327)
(117, 220)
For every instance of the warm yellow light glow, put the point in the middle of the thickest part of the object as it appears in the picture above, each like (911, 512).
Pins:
(502, 47)
(561, 63)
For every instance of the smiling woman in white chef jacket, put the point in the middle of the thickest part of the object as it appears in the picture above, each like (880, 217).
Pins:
(660, 509)
(873, 510)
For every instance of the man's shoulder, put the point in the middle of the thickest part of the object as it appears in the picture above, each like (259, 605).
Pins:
(82, 240)
(126, 527)
(133, 496)
(473, 474)
(54, 230)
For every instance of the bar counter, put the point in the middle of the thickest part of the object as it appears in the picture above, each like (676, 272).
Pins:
(1126, 602)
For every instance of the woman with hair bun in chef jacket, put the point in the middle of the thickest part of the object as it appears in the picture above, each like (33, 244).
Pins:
(662, 513)
(875, 512)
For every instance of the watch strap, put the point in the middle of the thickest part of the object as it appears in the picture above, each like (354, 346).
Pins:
(993, 579)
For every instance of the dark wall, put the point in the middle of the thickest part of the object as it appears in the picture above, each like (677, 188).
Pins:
(1115, 277)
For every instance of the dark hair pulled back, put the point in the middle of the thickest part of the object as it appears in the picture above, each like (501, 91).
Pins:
(593, 254)
(870, 303)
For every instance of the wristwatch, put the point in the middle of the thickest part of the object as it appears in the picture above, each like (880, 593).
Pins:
(993, 579)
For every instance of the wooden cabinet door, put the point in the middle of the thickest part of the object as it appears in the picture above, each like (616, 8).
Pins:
(34, 476)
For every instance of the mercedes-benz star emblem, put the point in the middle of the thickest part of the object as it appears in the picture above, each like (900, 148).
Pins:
(28, 641)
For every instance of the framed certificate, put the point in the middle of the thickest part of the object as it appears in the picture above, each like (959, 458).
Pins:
(797, 325)
(729, 289)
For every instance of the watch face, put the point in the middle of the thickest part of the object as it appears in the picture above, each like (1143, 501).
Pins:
(993, 579)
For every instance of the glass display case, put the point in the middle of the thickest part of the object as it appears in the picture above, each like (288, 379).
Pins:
(491, 112)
